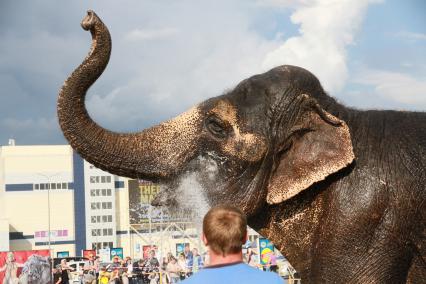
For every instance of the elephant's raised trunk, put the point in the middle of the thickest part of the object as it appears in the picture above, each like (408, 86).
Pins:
(154, 153)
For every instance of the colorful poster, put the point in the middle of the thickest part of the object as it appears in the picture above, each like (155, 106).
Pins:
(104, 254)
(266, 248)
(116, 252)
(62, 254)
(146, 250)
(32, 260)
(141, 194)
(180, 247)
(87, 253)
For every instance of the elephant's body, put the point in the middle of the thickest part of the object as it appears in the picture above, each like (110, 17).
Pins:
(341, 192)
(365, 223)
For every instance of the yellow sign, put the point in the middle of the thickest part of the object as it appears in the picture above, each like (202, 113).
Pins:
(148, 191)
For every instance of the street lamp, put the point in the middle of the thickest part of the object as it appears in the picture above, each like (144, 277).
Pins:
(48, 178)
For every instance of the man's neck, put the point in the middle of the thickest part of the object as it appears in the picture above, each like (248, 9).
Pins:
(216, 259)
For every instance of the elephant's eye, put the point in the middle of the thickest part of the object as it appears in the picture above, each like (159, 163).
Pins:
(216, 127)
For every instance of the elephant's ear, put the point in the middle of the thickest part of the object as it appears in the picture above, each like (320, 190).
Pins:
(320, 145)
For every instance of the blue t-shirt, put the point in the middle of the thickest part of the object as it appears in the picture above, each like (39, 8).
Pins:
(231, 273)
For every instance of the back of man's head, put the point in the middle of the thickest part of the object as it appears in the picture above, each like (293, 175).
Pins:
(225, 229)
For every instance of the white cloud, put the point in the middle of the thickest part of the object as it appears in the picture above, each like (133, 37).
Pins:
(399, 87)
(327, 27)
(151, 34)
(282, 3)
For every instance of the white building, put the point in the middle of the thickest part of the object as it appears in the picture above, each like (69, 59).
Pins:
(52, 189)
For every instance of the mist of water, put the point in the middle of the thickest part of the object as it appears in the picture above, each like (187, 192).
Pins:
(189, 197)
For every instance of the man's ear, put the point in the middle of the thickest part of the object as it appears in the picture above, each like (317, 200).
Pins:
(204, 239)
(320, 144)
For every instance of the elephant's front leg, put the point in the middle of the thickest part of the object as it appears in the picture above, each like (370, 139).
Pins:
(361, 241)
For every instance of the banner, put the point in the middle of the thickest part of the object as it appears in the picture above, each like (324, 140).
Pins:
(104, 255)
(55, 235)
(141, 194)
(266, 248)
(87, 253)
(180, 247)
(62, 254)
(116, 252)
(16, 265)
(146, 250)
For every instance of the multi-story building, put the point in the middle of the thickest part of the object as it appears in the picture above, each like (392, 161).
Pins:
(51, 197)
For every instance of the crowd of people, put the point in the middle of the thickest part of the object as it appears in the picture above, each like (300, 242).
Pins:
(225, 260)
(150, 270)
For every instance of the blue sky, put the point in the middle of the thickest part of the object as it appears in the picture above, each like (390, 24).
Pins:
(170, 55)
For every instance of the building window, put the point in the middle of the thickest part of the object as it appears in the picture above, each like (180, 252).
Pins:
(96, 232)
(107, 245)
(106, 205)
(94, 179)
(109, 192)
(47, 186)
(107, 232)
(100, 179)
(93, 219)
(95, 205)
(95, 192)
(109, 218)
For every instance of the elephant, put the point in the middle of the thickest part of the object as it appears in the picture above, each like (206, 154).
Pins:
(339, 191)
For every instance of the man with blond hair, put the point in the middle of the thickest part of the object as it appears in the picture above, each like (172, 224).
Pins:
(224, 233)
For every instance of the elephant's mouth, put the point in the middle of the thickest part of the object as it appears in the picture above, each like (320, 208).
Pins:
(188, 192)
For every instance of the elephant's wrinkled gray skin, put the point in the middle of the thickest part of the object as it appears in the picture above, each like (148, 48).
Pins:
(340, 192)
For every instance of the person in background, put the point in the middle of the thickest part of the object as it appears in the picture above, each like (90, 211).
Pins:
(197, 261)
(97, 266)
(127, 275)
(224, 233)
(173, 270)
(152, 267)
(273, 267)
(57, 273)
(114, 277)
(163, 269)
(182, 263)
(65, 269)
(10, 269)
(189, 259)
(104, 275)
(115, 263)
(251, 258)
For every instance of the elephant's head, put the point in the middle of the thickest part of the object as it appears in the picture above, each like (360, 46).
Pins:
(264, 141)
